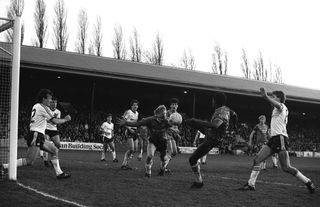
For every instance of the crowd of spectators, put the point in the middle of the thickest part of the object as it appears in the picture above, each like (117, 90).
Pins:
(85, 128)
(304, 138)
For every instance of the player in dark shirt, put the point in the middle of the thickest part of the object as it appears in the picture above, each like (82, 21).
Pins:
(262, 133)
(213, 130)
(157, 124)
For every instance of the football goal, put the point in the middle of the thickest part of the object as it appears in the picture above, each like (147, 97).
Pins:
(10, 44)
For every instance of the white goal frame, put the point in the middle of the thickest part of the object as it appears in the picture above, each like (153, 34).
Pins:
(14, 94)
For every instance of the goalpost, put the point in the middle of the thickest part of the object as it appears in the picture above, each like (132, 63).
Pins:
(9, 96)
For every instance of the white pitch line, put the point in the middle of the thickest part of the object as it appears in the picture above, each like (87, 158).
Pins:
(258, 181)
(50, 196)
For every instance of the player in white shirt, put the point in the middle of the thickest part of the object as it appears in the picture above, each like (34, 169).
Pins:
(143, 136)
(278, 143)
(52, 133)
(52, 130)
(131, 136)
(172, 134)
(40, 115)
(107, 133)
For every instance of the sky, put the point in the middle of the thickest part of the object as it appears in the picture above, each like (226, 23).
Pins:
(286, 32)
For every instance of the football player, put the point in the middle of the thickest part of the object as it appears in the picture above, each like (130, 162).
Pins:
(198, 140)
(173, 132)
(157, 125)
(262, 132)
(213, 130)
(52, 133)
(40, 115)
(143, 136)
(107, 133)
(278, 143)
(131, 136)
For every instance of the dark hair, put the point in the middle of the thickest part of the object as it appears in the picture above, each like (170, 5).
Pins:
(280, 95)
(43, 93)
(220, 99)
(109, 114)
(174, 100)
(134, 101)
(54, 99)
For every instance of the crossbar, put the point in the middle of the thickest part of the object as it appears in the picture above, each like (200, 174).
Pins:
(6, 26)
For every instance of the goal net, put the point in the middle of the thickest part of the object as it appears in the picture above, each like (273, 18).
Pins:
(9, 92)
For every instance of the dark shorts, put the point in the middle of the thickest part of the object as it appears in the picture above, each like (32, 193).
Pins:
(52, 133)
(38, 136)
(161, 145)
(107, 140)
(278, 143)
(129, 135)
(104, 139)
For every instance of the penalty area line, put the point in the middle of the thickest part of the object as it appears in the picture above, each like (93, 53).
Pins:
(50, 196)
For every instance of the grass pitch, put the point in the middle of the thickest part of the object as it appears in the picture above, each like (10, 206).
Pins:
(96, 183)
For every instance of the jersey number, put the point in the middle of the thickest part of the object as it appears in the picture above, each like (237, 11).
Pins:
(286, 118)
(33, 112)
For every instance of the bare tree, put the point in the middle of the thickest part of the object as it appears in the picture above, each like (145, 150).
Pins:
(91, 49)
(155, 55)
(60, 31)
(214, 66)
(278, 75)
(270, 72)
(41, 23)
(97, 38)
(245, 65)
(220, 61)
(15, 9)
(82, 32)
(260, 71)
(135, 47)
(188, 60)
(225, 63)
(185, 60)
(119, 49)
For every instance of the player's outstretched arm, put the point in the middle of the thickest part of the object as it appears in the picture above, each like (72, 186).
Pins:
(61, 121)
(133, 124)
(123, 122)
(270, 100)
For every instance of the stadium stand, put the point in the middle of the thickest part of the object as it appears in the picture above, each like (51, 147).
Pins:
(98, 85)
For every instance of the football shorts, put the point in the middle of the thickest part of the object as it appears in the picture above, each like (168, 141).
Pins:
(278, 143)
(52, 133)
(39, 138)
